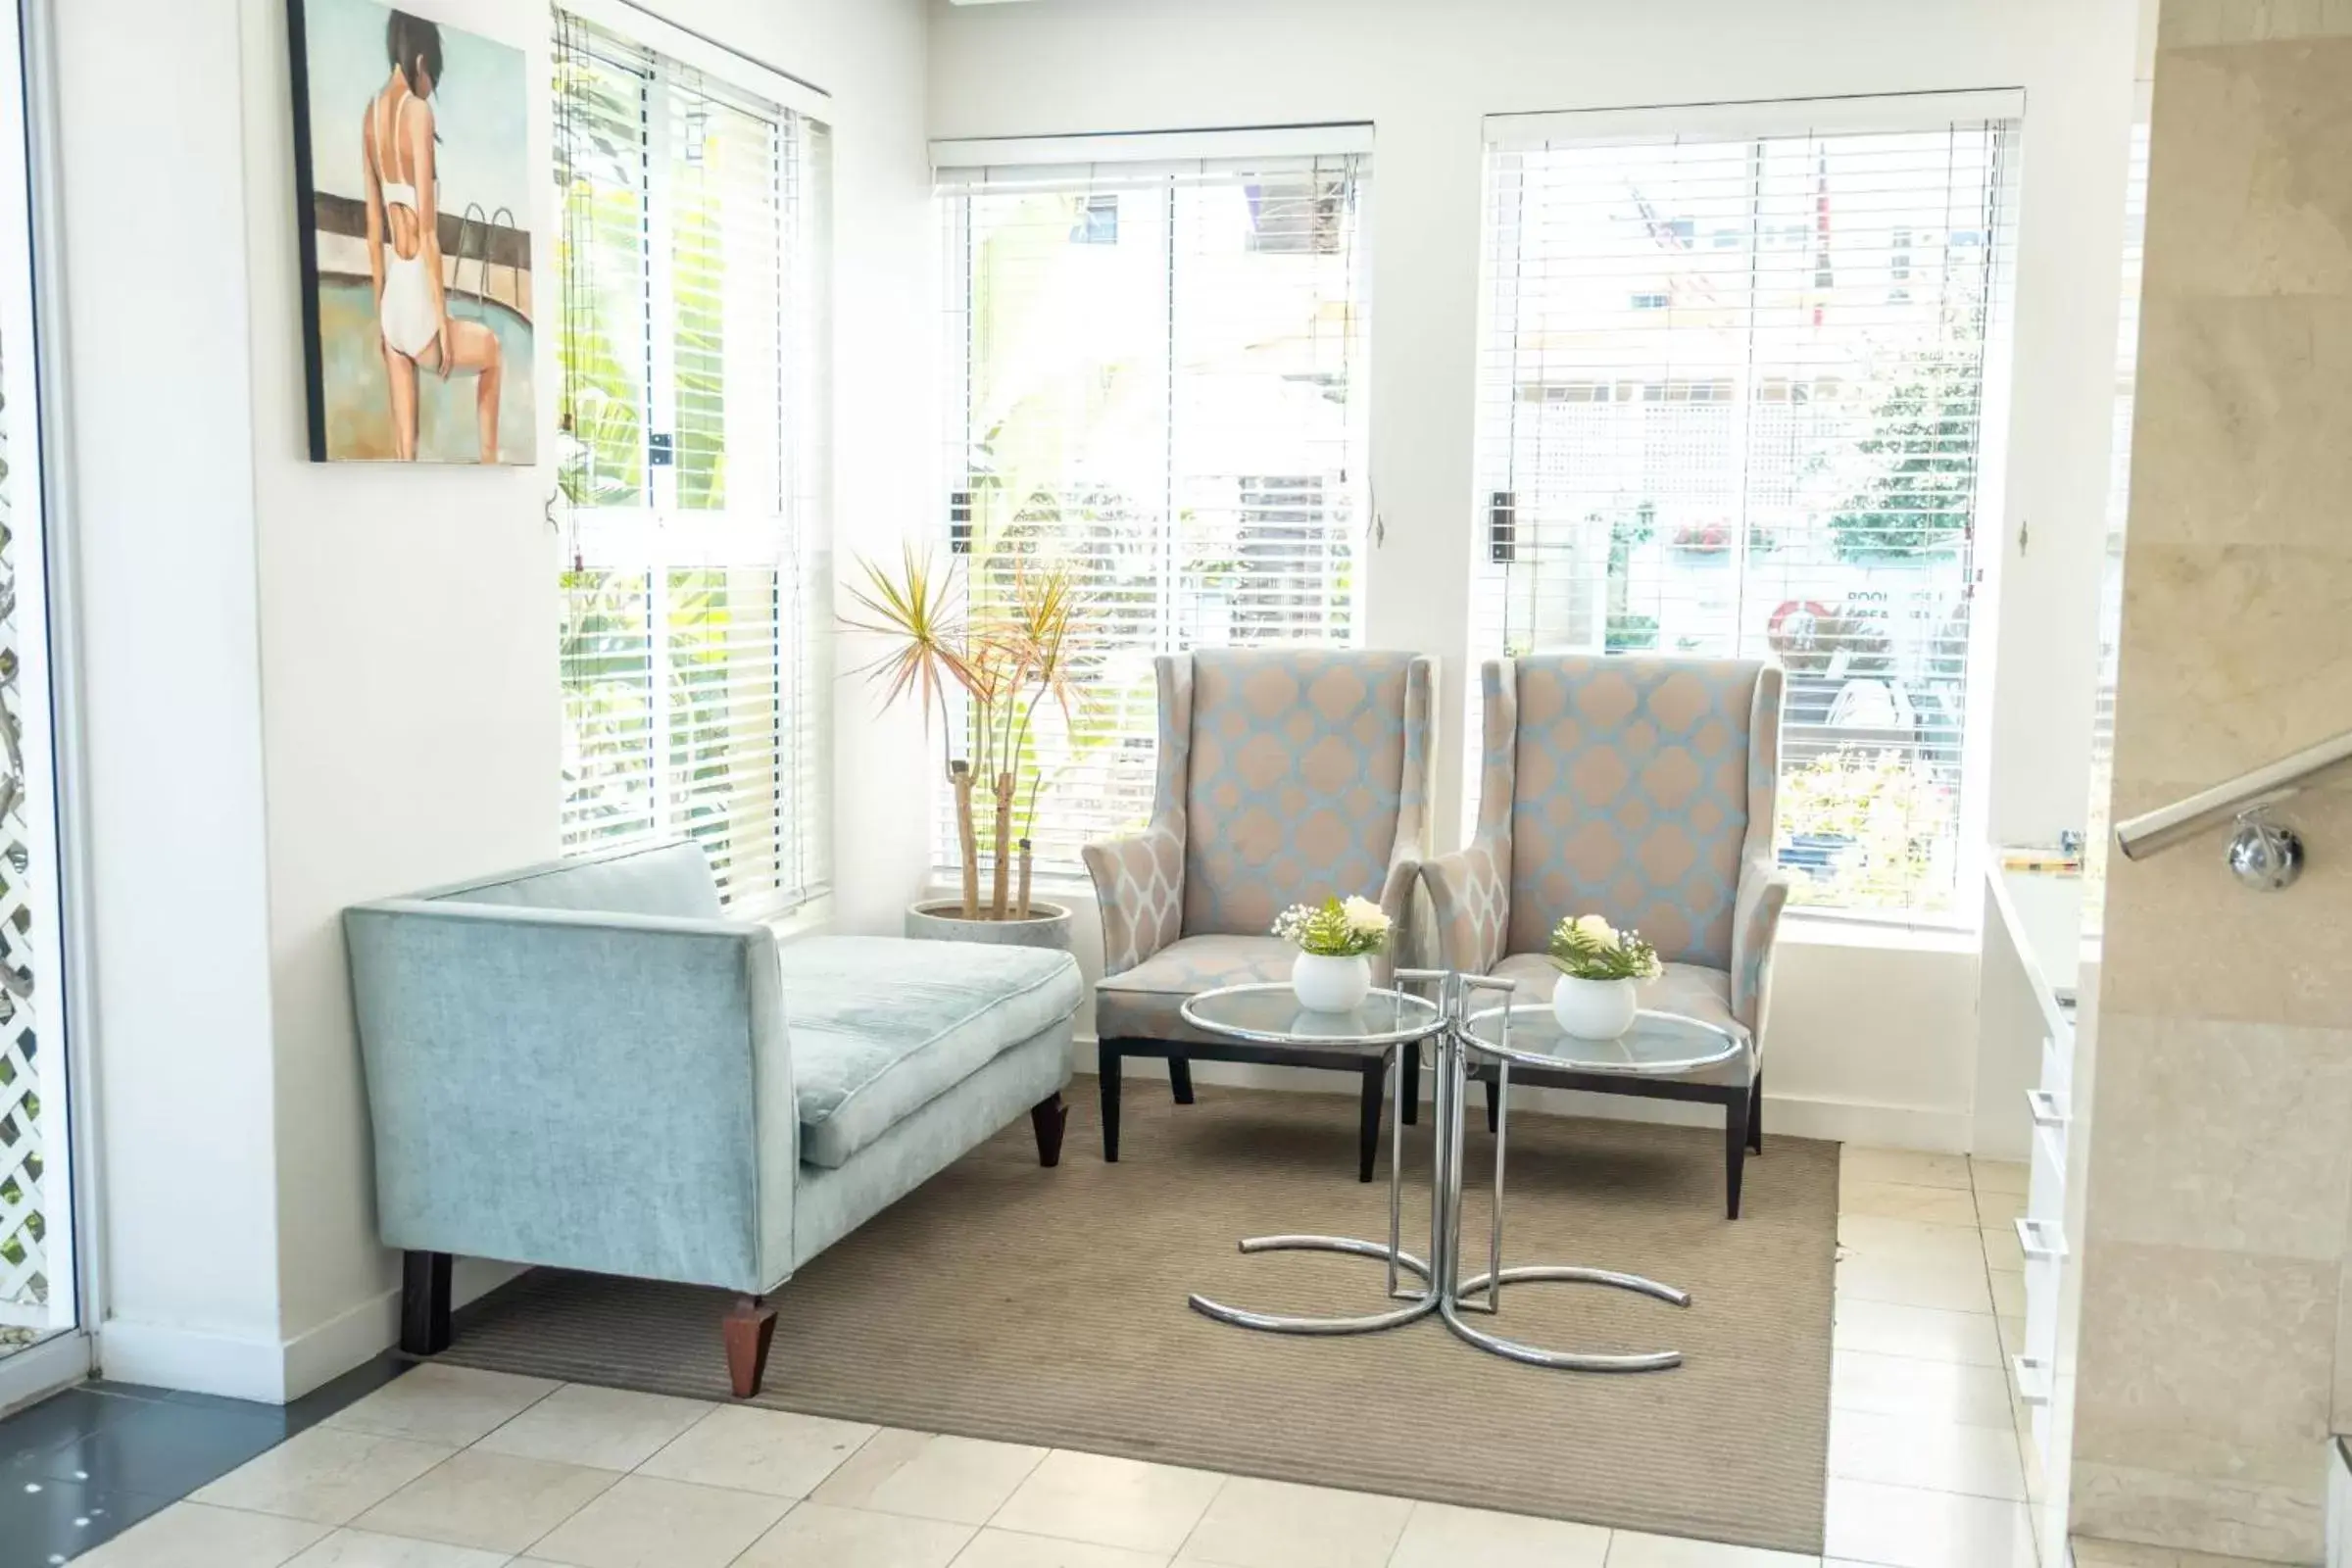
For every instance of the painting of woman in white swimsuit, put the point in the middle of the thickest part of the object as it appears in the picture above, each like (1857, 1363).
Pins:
(411, 142)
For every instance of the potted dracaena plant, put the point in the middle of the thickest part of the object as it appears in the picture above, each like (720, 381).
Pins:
(1336, 940)
(1599, 967)
(1003, 663)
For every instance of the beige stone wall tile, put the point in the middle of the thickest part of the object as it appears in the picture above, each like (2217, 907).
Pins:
(2269, 1523)
(2198, 1363)
(2249, 192)
(2182, 940)
(2202, 23)
(2231, 656)
(2239, 437)
(2227, 1136)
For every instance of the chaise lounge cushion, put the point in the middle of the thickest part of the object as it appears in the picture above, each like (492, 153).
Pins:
(881, 1026)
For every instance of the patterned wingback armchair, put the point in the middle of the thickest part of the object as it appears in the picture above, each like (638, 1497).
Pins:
(1285, 774)
(1642, 789)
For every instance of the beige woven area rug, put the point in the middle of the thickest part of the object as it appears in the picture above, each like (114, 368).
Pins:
(1048, 1306)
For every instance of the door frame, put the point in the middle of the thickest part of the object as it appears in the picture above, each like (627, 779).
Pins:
(70, 1355)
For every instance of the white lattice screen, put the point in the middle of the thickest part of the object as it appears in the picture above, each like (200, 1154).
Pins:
(37, 1294)
(23, 1257)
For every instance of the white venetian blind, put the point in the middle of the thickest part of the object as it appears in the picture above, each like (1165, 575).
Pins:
(1155, 374)
(1731, 402)
(693, 311)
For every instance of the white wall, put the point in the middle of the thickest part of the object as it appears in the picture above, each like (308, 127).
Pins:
(157, 390)
(1868, 1039)
(372, 652)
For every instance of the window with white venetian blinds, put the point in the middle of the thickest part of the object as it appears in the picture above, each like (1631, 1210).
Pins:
(693, 340)
(1155, 375)
(1731, 402)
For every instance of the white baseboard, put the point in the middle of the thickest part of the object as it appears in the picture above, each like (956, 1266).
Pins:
(324, 1353)
(1926, 1129)
(199, 1360)
(273, 1372)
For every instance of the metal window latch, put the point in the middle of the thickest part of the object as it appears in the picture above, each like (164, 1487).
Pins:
(658, 450)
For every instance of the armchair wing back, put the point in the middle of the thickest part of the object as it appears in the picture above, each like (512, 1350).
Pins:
(1633, 794)
(1283, 774)
(1644, 788)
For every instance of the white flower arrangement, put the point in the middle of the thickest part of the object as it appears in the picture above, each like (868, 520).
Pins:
(1336, 928)
(1585, 947)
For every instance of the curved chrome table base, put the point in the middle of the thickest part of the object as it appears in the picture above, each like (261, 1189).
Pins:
(1568, 1360)
(1574, 1276)
(1445, 1292)
(1421, 1303)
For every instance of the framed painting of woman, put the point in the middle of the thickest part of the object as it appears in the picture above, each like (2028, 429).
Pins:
(413, 198)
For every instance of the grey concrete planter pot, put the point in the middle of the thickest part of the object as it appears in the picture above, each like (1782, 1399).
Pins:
(941, 920)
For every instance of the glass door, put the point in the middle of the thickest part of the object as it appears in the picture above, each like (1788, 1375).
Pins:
(39, 1297)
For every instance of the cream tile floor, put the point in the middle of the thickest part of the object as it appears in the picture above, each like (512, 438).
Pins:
(453, 1469)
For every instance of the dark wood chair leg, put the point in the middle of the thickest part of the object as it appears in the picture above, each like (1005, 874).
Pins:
(1734, 1151)
(1367, 1153)
(1493, 1104)
(1047, 1118)
(1106, 1064)
(750, 1324)
(1755, 1115)
(1180, 1078)
(1410, 1090)
(424, 1303)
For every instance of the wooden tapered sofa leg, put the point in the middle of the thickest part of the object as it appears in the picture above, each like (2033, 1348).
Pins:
(424, 1303)
(1180, 1079)
(1047, 1118)
(750, 1324)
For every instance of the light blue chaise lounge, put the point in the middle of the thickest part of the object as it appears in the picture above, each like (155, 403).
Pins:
(586, 1066)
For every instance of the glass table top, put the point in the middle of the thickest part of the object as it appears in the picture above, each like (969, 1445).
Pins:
(1659, 1044)
(1269, 1012)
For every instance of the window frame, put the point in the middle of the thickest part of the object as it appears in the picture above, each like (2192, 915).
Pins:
(1128, 165)
(784, 529)
(1760, 122)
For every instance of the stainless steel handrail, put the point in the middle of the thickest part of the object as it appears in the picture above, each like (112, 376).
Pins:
(2166, 825)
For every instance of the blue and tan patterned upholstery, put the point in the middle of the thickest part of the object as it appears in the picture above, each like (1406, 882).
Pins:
(1637, 788)
(1285, 775)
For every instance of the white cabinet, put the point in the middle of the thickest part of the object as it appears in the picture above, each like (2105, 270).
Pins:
(2035, 1017)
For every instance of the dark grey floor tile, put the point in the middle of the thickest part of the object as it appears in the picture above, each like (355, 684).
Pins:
(165, 1449)
(43, 1520)
(125, 1391)
(99, 1456)
(56, 1421)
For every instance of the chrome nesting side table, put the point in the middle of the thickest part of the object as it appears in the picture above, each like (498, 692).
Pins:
(1392, 1022)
